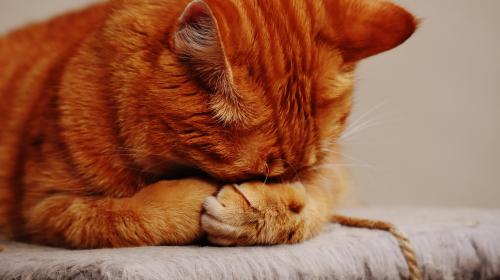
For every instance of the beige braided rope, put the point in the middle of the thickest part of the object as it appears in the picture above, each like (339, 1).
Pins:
(404, 242)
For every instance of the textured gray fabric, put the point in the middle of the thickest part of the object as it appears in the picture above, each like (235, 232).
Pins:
(450, 244)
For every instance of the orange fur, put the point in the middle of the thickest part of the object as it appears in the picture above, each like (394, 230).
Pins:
(119, 122)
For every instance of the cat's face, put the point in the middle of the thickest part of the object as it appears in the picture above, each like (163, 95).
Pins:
(244, 89)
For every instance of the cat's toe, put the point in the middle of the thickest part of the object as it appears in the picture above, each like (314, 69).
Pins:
(223, 234)
(228, 218)
(214, 227)
(214, 208)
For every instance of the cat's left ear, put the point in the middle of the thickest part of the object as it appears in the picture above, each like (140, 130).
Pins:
(198, 44)
(362, 28)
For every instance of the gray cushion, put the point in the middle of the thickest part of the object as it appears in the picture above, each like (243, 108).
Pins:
(450, 244)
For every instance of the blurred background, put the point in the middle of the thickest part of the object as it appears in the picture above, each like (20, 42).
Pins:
(426, 124)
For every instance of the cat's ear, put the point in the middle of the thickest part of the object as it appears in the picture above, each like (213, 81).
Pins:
(198, 44)
(362, 28)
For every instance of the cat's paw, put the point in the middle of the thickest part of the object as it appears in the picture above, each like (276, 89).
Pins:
(256, 214)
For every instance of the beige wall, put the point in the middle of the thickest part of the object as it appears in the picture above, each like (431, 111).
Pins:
(431, 107)
(439, 138)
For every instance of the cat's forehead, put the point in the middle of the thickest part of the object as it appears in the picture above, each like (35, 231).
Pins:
(287, 21)
(271, 38)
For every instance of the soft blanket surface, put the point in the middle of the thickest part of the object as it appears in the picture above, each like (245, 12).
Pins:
(450, 244)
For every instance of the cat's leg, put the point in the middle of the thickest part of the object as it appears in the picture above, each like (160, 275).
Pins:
(254, 213)
(167, 212)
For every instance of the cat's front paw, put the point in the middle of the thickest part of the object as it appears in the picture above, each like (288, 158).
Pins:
(256, 214)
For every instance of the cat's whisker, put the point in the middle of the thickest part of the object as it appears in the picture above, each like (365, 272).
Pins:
(267, 172)
(358, 126)
(347, 156)
(356, 129)
(333, 166)
(328, 143)
(361, 120)
(370, 111)
(364, 126)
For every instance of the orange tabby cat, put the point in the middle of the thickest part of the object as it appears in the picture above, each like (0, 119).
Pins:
(152, 122)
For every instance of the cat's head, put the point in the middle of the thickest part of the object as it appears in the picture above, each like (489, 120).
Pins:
(243, 89)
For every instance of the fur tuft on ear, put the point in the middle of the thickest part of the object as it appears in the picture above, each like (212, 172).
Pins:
(362, 28)
(198, 44)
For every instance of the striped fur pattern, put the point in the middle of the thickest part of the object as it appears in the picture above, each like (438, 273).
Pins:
(151, 122)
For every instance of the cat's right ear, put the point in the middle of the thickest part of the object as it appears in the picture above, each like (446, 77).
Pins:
(362, 28)
(198, 44)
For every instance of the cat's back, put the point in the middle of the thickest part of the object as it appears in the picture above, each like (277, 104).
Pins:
(32, 62)
(30, 51)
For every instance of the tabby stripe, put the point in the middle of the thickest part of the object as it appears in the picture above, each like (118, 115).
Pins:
(295, 32)
(256, 19)
(269, 46)
(276, 25)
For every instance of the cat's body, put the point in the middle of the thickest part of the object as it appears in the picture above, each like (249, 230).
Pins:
(120, 122)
